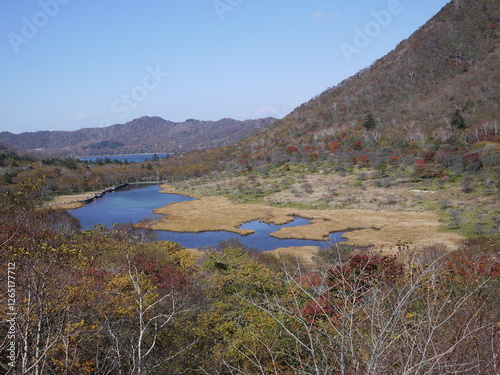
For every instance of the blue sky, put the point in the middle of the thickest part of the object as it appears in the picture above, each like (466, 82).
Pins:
(70, 64)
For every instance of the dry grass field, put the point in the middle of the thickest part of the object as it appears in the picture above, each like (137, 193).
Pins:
(378, 229)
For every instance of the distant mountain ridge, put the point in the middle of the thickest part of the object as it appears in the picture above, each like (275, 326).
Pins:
(145, 134)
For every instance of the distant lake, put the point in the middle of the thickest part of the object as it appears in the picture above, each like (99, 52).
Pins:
(131, 158)
(136, 203)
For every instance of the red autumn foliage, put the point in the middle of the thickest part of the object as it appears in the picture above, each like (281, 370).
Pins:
(363, 271)
(333, 146)
(171, 279)
(164, 277)
(98, 274)
(429, 157)
(363, 161)
(357, 146)
(427, 170)
(472, 162)
(393, 160)
(470, 267)
(320, 309)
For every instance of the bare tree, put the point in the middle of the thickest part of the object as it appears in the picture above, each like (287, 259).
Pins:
(373, 320)
(134, 332)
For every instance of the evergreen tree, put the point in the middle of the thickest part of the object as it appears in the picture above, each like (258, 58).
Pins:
(370, 122)
(457, 121)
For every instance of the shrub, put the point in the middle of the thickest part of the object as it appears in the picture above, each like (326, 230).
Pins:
(333, 146)
(357, 146)
(363, 161)
(472, 162)
(467, 185)
(427, 170)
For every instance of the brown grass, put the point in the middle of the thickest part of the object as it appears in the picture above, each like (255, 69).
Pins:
(215, 213)
(379, 229)
(303, 253)
(338, 192)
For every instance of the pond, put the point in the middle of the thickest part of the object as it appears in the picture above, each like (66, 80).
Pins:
(136, 203)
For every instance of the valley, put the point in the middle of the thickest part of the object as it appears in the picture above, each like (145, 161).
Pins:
(357, 234)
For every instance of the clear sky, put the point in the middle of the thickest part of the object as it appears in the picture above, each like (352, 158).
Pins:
(70, 64)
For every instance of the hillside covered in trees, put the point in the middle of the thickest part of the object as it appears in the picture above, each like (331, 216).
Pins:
(437, 91)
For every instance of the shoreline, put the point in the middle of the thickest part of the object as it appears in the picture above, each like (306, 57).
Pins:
(380, 230)
(82, 199)
(70, 202)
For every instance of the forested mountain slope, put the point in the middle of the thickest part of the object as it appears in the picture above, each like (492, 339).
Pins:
(439, 88)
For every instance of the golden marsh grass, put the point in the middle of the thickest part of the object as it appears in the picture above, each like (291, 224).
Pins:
(380, 229)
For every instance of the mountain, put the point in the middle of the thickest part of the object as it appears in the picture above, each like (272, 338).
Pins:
(440, 88)
(142, 135)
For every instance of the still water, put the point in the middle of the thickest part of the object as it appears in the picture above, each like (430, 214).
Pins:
(134, 204)
(131, 158)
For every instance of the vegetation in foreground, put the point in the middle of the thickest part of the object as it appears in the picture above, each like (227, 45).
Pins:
(102, 302)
